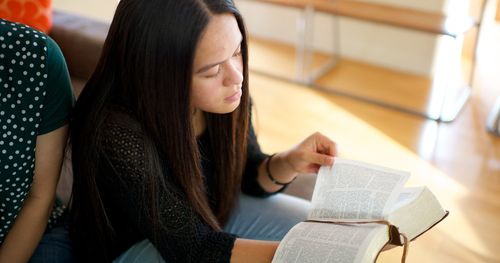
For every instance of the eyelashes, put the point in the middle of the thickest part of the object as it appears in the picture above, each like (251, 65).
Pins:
(219, 67)
(217, 73)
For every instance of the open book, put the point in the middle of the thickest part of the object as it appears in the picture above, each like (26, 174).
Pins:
(357, 209)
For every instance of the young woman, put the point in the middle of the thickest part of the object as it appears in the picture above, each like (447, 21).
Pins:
(35, 102)
(163, 145)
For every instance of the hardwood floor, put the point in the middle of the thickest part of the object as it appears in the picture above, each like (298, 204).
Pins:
(459, 161)
(348, 76)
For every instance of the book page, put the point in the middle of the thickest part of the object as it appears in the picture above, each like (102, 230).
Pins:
(310, 242)
(407, 195)
(353, 191)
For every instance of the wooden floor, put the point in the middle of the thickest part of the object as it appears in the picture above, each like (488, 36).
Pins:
(347, 76)
(459, 161)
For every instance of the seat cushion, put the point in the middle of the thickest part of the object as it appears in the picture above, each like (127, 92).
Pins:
(81, 40)
(34, 13)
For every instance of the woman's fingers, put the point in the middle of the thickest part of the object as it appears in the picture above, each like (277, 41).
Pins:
(325, 145)
(318, 158)
(315, 151)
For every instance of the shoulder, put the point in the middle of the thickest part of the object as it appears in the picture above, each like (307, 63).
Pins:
(120, 118)
(121, 132)
(125, 146)
(30, 49)
(17, 37)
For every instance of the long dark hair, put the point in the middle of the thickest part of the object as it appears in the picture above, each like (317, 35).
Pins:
(147, 61)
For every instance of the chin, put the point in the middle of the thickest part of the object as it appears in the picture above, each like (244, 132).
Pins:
(234, 107)
(228, 108)
(223, 107)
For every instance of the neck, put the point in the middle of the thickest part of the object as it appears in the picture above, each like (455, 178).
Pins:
(199, 123)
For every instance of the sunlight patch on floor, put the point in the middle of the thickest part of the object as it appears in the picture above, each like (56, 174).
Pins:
(358, 140)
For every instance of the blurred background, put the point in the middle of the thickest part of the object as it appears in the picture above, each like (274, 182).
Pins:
(392, 93)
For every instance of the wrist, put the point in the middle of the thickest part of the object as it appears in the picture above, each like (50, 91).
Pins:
(277, 172)
(282, 160)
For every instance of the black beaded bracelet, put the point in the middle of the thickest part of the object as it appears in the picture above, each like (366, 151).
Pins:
(268, 171)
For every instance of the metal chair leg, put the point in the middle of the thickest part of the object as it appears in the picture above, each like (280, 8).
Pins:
(493, 121)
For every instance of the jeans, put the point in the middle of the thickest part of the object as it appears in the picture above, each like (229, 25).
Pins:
(255, 218)
(55, 247)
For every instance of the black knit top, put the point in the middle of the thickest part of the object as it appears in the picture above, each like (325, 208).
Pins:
(184, 236)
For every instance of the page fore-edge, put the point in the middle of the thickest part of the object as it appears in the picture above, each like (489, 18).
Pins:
(394, 237)
(394, 234)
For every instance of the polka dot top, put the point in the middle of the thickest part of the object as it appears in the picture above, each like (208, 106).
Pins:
(35, 99)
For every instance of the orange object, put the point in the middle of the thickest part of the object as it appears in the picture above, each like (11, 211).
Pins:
(498, 12)
(35, 13)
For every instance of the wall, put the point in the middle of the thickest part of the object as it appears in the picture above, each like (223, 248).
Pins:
(98, 9)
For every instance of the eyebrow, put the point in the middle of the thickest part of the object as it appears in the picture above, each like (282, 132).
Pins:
(207, 67)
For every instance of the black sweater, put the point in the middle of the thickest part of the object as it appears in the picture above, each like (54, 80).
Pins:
(183, 237)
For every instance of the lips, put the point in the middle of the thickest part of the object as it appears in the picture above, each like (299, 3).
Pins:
(236, 96)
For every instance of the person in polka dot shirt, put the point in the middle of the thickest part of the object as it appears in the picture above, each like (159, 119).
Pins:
(35, 101)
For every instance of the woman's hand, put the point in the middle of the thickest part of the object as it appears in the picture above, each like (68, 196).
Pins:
(306, 157)
(309, 155)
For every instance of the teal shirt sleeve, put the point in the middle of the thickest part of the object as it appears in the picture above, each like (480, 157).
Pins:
(59, 98)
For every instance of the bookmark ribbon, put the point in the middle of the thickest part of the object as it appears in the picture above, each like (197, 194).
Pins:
(406, 242)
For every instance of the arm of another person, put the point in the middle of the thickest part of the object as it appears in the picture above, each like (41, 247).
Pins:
(31, 222)
(254, 251)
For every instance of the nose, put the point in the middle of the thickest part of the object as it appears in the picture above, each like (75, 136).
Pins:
(234, 73)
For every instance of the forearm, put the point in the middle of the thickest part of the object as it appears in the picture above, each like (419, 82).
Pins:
(280, 170)
(254, 251)
(26, 232)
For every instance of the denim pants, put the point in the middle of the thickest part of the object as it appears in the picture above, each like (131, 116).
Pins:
(255, 218)
(55, 247)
